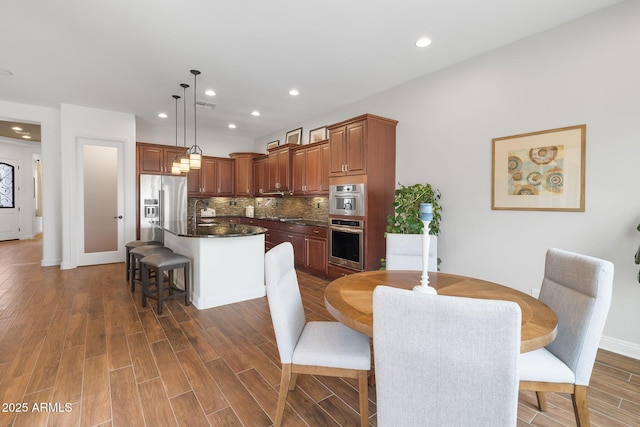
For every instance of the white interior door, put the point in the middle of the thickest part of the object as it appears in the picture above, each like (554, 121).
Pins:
(101, 201)
(9, 206)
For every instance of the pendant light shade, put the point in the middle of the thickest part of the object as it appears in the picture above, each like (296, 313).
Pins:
(175, 166)
(184, 159)
(195, 153)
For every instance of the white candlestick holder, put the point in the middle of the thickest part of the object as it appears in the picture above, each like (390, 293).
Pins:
(424, 278)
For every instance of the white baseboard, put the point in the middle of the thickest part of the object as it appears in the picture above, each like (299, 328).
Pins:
(624, 348)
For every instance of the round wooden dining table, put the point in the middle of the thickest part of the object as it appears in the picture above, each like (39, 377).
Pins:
(350, 300)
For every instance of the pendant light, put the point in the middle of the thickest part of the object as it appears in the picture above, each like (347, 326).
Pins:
(175, 166)
(195, 153)
(184, 159)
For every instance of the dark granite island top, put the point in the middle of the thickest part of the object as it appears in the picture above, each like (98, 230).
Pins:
(217, 228)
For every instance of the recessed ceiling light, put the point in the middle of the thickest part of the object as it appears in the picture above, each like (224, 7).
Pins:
(255, 113)
(210, 92)
(16, 128)
(294, 92)
(423, 42)
(26, 136)
(232, 126)
(163, 115)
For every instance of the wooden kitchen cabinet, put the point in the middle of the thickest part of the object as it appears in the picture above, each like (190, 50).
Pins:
(244, 173)
(279, 165)
(347, 149)
(260, 175)
(316, 255)
(156, 159)
(215, 178)
(310, 170)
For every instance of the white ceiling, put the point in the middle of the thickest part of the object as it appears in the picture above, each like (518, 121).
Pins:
(131, 55)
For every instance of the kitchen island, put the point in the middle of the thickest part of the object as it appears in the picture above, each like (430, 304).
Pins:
(227, 260)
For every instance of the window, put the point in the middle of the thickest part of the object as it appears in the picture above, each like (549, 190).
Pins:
(7, 195)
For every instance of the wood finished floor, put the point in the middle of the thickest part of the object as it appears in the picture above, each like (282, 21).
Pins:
(80, 338)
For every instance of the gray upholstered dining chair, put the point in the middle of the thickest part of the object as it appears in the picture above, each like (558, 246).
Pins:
(445, 361)
(318, 348)
(404, 252)
(578, 289)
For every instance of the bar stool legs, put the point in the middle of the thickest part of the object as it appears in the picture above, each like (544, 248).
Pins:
(136, 244)
(136, 254)
(161, 262)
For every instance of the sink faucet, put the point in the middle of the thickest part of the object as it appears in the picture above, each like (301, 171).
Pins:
(195, 209)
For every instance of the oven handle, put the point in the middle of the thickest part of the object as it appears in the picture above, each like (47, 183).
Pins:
(346, 229)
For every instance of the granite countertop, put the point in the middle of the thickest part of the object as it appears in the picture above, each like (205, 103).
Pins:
(299, 221)
(218, 228)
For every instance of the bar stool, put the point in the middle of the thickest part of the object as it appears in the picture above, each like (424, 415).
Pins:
(135, 244)
(161, 262)
(136, 255)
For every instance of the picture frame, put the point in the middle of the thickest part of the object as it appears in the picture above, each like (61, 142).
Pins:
(540, 171)
(273, 144)
(318, 134)
(294, 136)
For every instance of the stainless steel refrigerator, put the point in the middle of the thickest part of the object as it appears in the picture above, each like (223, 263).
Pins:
(163, 198)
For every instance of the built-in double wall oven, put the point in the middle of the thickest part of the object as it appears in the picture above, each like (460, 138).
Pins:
(345, 242)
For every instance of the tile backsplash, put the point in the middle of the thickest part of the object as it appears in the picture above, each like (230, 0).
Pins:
(309, 208)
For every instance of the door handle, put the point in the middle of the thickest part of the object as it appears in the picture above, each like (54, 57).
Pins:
(118, 217)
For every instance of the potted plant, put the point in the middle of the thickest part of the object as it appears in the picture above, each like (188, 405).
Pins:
(406, 220)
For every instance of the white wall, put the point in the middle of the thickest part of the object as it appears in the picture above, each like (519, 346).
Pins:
(49, 120)
(583, 72)
(82, 122)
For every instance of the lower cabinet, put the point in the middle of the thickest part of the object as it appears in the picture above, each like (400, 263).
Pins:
(309, 242)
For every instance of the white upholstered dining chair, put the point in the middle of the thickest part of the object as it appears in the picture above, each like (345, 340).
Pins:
(578, 289)
(404, 252)
(445, 361)
(318, 348)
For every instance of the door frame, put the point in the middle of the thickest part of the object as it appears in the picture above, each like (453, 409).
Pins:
(109, 256)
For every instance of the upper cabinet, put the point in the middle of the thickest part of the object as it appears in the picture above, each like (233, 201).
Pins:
(279, 165)
(310, 170)
(244, 173)
(214, 178)
(355, 144)
(156, 159)
(260, 175)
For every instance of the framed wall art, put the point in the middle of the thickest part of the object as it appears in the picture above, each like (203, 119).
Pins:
(540, 170)
(294, 136)
(273, 144)
(317, 135)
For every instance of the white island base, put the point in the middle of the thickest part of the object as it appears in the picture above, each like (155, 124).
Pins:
(224, 270)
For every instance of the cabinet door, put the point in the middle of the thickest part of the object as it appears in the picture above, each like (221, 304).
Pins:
(208, 172)
(260, 176)
(337, 150)
(313, 169)
(283, 169)
(194, 182)
(243, 175)
(225, 177)
(298, 242)
(356, 155)
(170, 155)
(325, 161)
(150, 159)
(298, 172)
(316, 255)
(272, 172)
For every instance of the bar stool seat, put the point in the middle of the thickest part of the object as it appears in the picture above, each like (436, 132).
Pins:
(161, 262)
(135, 244)
(136, 255)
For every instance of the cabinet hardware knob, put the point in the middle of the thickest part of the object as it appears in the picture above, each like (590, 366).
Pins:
(118, 217)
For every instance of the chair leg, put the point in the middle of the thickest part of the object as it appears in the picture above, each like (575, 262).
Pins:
(186, 285)
(580, 407)
(292, 382)
(364, 398)
(145, 284)
(160, 281)
(542, 400)
(284, 390)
